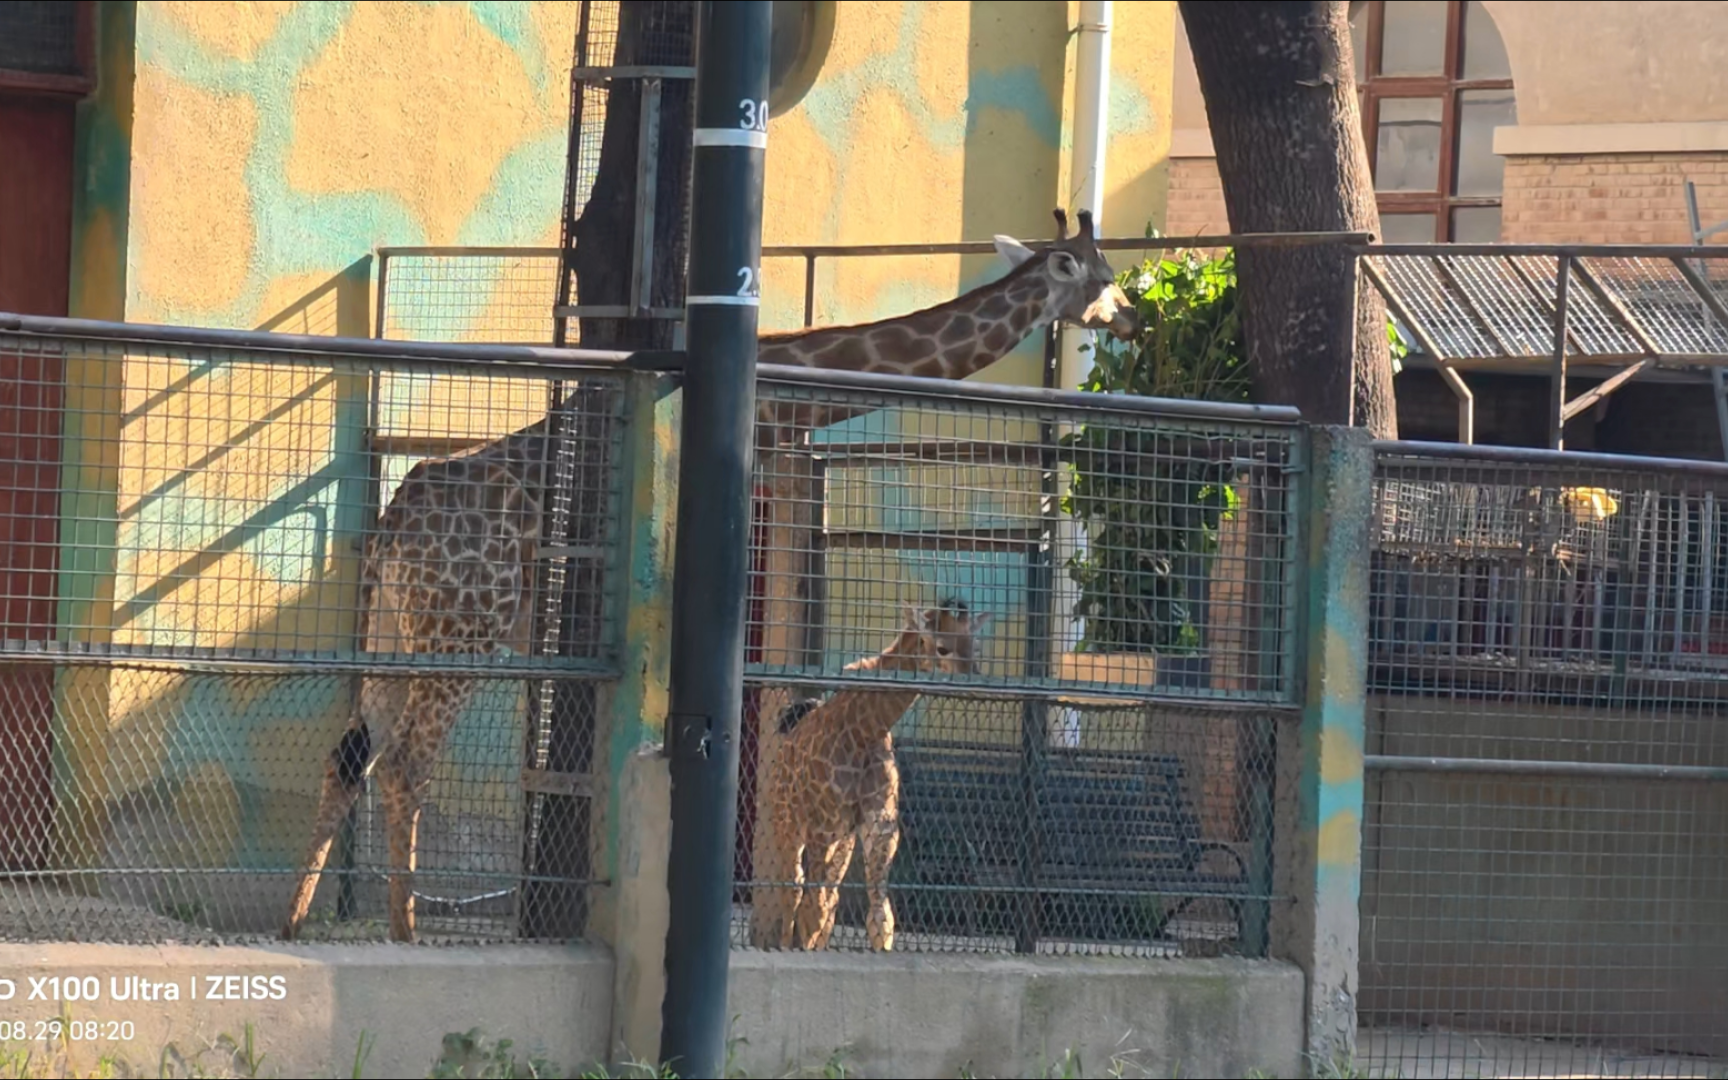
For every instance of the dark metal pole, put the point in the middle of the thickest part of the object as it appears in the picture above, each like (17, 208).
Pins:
(710, 582)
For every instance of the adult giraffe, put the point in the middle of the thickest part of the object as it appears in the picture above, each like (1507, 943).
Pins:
(450, 568)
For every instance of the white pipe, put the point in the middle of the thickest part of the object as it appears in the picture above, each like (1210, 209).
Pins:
(1086, 190)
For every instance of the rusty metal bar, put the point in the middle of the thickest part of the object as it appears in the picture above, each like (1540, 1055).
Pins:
(1603, 389)
(1557, 373)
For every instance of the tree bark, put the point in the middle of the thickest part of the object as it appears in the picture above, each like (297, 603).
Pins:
(649, 32)
(1279, 85)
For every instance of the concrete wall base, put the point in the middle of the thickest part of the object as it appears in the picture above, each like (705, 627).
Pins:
(929, 1015)
(309, 1004)
(896, 1015)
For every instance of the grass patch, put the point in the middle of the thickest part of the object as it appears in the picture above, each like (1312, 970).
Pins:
(465, 1055)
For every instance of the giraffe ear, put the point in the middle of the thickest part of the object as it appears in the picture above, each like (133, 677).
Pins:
(914, 617)
(1064, 267)
(978, 622)
(1011, 249)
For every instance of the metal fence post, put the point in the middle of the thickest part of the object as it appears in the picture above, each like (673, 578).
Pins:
(1326, 856)
(709, 582)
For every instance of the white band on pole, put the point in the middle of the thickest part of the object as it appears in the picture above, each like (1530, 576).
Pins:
(725, 301)
(732, 137)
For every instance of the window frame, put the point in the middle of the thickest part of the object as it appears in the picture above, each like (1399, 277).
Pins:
(1449, 87)
(56, 84)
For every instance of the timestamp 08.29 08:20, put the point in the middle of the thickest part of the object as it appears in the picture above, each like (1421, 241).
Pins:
(56, 1029)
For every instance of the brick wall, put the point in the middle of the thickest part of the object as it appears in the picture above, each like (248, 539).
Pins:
(1610, 198)
(1572, 198)
(1196, 205)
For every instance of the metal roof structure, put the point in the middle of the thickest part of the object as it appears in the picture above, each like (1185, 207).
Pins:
(1541, 308)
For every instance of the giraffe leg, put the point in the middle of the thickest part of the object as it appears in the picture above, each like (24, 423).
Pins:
(774, 905)
(432, 708)
(881, 843)
(344, 779)
(401, 820)
(822, 894)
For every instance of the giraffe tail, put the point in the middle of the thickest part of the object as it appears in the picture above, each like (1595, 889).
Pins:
(793, 713)
(352, 755)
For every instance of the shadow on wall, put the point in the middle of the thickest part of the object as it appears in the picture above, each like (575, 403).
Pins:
(243, 490)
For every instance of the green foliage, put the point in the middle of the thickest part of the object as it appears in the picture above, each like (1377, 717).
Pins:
(469, 1054)
(1150, 501)
(1143, 521)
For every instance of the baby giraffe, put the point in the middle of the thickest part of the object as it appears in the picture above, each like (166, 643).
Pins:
(834, 782)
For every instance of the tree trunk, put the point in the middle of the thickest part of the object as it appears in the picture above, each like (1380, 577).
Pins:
(1280, 98)
(649, 32)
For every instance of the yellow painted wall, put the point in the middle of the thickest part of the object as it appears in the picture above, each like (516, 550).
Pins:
(946, 121)
(271, 147)
(274, 145)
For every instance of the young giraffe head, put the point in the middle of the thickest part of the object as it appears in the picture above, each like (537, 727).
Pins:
(1083, 289)
(939, 639)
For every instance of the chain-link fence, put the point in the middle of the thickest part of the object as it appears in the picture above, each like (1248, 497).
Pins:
(1545, 871)
(1021, 586)
(217, 544)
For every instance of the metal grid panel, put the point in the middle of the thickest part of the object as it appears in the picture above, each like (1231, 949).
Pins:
(999, 846)
(221, 514)
(202, 497)
(502, 295)
(1476, 307)
(39, 36)
(177, 808)
(1659, 299)
(1545, 887)
(1173, 548)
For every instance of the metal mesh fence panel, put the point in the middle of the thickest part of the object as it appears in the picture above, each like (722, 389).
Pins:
(1545, 875)
(1147, 835)
(1162, 568)
(40, 36)
(1008, 583)
(214, 550)
(501, 295)
(177, 807)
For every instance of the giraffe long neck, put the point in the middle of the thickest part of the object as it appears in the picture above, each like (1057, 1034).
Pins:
(872, 713)
(875, 712)
(949, 341)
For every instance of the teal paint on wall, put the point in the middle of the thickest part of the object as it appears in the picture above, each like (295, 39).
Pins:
(300, 233)
(1130, 112)
(1018, 90)
(516, 209)
(513, 24)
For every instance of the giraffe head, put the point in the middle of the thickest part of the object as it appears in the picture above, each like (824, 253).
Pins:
(939, 639)
(1083, 289)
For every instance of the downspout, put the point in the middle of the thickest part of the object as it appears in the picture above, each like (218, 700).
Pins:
(1086, 190)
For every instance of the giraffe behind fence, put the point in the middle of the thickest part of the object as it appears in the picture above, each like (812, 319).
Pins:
(449, 570)
(451, 567)
(834, 783)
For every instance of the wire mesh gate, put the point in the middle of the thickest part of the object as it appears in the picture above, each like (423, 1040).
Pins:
(186, 514)
(886, 501)
(1545, 868)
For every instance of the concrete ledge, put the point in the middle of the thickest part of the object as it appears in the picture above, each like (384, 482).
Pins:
(309, 1004)
(1191, 143)
(928, 1015)
(1554, 139)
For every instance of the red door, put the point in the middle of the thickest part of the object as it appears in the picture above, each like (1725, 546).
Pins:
(45, 56)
